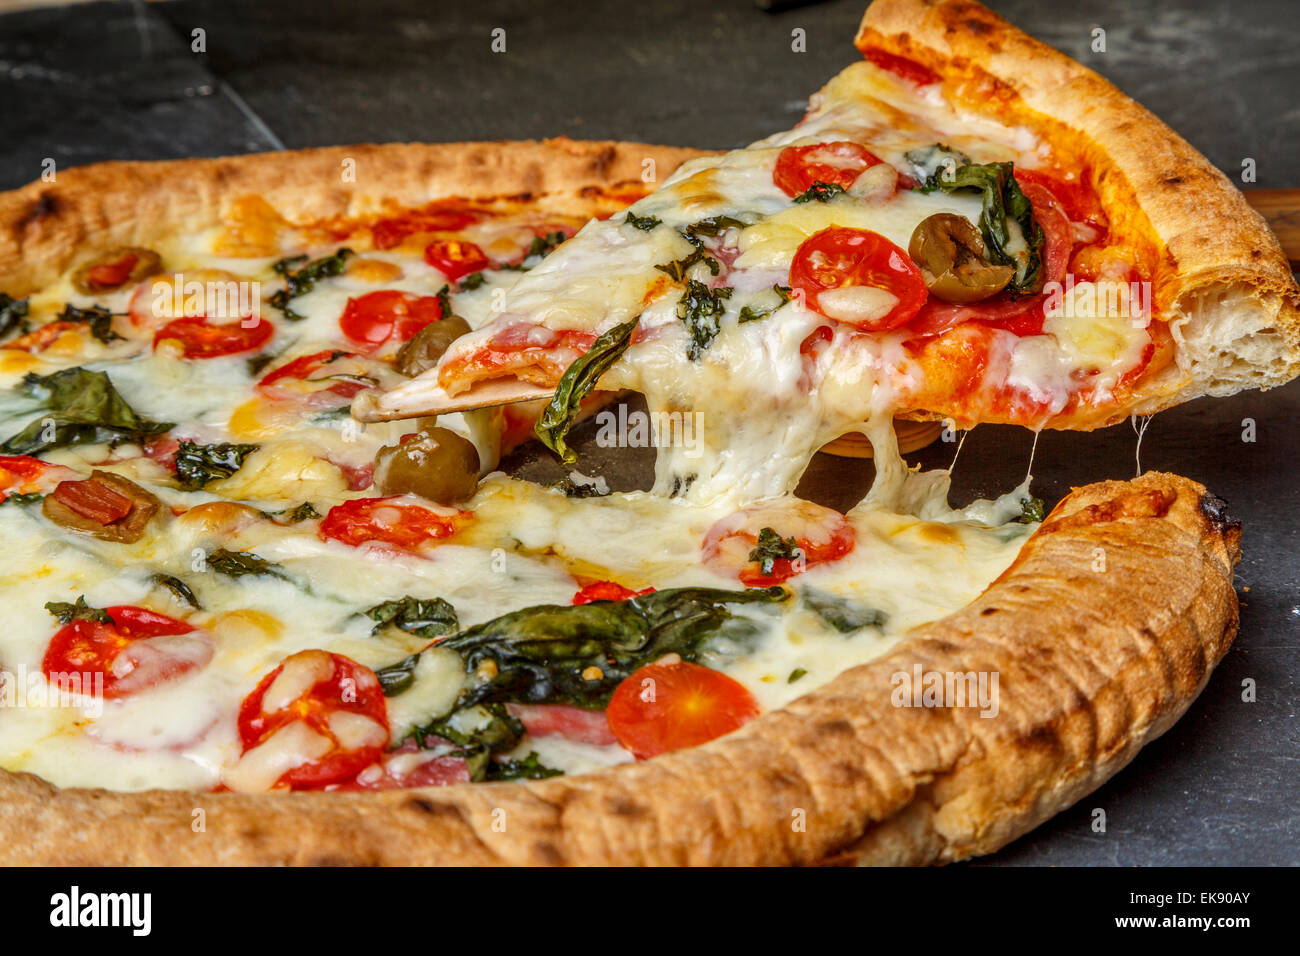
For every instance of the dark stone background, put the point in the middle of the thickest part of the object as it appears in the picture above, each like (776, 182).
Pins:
(117, 80)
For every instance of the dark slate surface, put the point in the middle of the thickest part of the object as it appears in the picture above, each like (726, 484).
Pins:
(119, 80)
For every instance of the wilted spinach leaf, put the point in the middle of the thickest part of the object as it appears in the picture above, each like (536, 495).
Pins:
(579, 379)
(66, 613)
(84, 408)
(429, 618)
(196, 464)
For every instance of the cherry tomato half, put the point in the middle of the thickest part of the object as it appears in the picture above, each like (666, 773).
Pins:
(858, 277)
(455, 259)
(138, 650)
(839, 164)
(388, 521)
(663, 707)
(336, 699)
(200, 339)
(376, 319)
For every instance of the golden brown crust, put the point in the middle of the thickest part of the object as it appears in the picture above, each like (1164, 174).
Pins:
(1221, 276)
(1101, 634)
(45, 228)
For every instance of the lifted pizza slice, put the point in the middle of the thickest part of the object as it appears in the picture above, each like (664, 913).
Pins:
(949, 233)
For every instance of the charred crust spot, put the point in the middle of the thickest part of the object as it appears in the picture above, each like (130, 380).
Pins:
(1172, 180)
(943, 647)
(835, 728)
(433, 808)
(42, 207)
(588, 192)
(977, 26)
(1040, 738)
(548, 853)
(1257, 253)
(623, 807)
(602, 161)
(520, 197)
(1215, 510)
(989, 610)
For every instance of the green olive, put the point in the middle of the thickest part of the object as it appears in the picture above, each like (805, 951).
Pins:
(422, 352)
(434, 463)
(116, 268)
(950, 253)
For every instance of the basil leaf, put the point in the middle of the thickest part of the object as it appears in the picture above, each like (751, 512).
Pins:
(18, 498)
(66, 613)
(84, 408)
(712, 226)
(644, 223)
(771, 548)
(844, 615)
(751, 313)
(98, 317)
(795, 674)
(1032, 510)
(237, 564)
(398, 677)
(538, 249)
(13, 316)
(179, 588)
(820, 191)
(196, 464)
(529, 768)
(472, 281)
(930, 163)
(301, 276)
(424, 618)
(304, 512)
(578, 380)
(701, 308)
(1002, 202)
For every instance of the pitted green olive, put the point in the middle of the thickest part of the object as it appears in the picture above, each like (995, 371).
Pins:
(950, 253)
(423, 351)
(434, 463)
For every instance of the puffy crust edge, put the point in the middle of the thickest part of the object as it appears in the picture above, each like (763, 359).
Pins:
(1223, 276)
(1092, 664)
(46, 227)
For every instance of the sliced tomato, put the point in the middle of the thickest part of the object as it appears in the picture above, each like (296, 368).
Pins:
(388, 521)
(38, 340)
(455, 259)
(24, 475)
(328, 701)
(535, 354)
(858, 277)
(439, 217)
(200, 339)
(902, 67)
(838, 163)
(606, 591)
(340, 374)
(663, 707)
(561, 720)
(110, 275)
(139, 650)
(376, 319)
(821, 535)
(92, 499)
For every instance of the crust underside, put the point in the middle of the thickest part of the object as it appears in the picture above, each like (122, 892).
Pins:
(1092, 664)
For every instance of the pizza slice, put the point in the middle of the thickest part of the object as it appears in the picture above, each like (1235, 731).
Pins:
(955, 230)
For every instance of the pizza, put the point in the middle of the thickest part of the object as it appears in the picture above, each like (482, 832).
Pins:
(270, 599)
